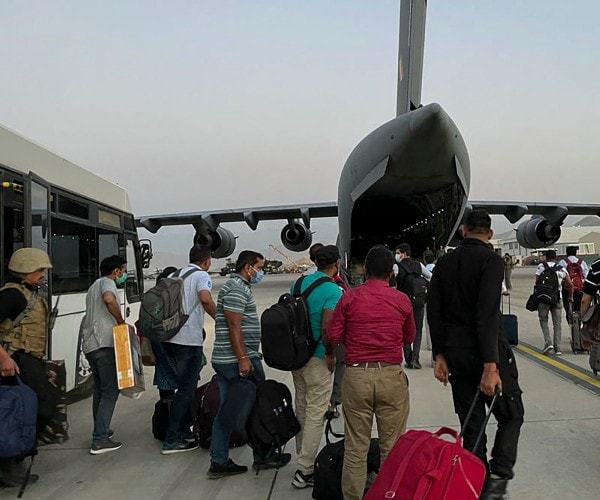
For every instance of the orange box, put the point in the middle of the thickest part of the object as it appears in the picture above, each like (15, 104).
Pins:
(130, 371)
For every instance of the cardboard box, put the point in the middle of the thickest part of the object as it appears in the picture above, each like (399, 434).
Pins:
(130, 371)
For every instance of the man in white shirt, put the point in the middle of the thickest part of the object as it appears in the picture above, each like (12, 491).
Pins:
(185, 348)
(555, 309)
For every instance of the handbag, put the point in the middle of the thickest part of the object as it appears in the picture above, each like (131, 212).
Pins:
(48, 379)
(532, 303)
(591, 324)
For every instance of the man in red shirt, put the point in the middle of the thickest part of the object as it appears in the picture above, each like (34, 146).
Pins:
(374, 321)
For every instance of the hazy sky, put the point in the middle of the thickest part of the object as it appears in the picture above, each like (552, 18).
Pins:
(197, 105)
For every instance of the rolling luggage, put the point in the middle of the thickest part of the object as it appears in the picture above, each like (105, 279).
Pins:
(510, 325)
(423, 465)
(578, 343)
(595, 358)
(329, 464)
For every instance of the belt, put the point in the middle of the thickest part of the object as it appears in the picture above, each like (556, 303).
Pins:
(373, 364)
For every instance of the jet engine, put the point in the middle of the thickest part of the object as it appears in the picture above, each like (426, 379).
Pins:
(221, 242)
(296, 237)
(537, 233)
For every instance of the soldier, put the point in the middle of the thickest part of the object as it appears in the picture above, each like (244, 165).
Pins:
(23, 332)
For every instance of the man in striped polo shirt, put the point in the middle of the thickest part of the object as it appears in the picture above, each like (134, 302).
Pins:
(235, 355)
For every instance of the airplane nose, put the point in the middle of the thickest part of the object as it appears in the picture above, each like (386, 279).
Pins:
(424, 120)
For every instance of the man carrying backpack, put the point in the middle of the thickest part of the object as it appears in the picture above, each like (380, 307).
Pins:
(578, 271)
(236, 355)
(314, 382)
(548, 285)
(23, 331)
(412, 279)
(185, 348)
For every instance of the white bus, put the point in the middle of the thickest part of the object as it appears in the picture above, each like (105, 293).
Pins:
(77, 217)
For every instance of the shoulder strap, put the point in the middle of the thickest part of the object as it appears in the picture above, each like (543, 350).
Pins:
(177, 274)
(298, 286)
(191, 271)
(315, 284)
(546, 266)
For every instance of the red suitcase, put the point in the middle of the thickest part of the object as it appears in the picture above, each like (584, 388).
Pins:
(423, 466)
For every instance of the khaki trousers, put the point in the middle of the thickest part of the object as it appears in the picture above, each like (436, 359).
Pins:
(368, 391)
(313, 384)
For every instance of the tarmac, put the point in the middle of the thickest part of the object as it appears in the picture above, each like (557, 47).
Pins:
(558, 450)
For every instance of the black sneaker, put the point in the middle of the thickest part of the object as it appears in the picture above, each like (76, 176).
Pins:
(274, 462)
(111, 433)
(416, 365)
(104, 447)
(302, 480)
(229, 468)
(180, 447)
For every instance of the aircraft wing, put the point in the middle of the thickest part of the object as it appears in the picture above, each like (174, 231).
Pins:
(553, 212)
(251, 216)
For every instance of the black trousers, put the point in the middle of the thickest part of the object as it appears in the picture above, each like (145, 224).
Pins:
(465, 374)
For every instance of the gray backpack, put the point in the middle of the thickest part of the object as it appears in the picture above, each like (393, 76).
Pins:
(161, 311)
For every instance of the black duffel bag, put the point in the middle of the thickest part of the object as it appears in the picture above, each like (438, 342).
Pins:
(330, 462)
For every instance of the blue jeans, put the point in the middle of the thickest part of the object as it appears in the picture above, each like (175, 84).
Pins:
(227, 373)
(106, 390)
(187, 360)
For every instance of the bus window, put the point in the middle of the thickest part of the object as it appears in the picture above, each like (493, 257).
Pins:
(109, 243)
(12, 227)
(73, 267)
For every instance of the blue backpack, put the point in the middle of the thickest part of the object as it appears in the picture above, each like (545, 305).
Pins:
(18, 416)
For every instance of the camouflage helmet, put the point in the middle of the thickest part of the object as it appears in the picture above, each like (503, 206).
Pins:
(28, 260)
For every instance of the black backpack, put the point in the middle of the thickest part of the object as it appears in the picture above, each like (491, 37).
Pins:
(411, 281)
(546, 287)
(330, 462)
(272, 421)
(287, 338)
(161, 310)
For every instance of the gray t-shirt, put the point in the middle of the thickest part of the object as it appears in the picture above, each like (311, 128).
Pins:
(97, 325)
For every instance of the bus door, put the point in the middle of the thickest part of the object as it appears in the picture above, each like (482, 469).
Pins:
(134, 284)
(12, 234)
(37, 227)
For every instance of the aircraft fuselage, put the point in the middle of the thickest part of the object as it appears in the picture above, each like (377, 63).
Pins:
(407, 181)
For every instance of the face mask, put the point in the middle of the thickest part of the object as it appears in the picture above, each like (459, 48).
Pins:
(397, 258)
(121, 279)
(257, 279)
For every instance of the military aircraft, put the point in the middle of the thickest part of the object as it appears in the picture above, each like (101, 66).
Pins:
(407, 181)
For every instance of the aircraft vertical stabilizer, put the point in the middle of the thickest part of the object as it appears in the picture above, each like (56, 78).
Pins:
(410, 54)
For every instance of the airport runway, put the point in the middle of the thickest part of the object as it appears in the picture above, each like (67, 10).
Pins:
(558, 451)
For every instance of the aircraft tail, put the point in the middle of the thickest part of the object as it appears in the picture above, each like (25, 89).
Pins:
(410, 54)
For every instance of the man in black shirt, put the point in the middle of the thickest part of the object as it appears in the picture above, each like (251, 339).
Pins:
(463, 311)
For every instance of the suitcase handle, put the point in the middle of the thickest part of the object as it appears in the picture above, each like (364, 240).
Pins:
(502, 304)
(485, 421)
(450, 432)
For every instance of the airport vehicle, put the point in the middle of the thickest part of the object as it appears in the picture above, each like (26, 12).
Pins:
(77, 217)
(407, 181)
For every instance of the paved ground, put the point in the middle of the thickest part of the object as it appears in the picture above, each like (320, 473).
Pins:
(558, 452)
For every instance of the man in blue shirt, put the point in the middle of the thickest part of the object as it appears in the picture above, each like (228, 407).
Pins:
(314, 381)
